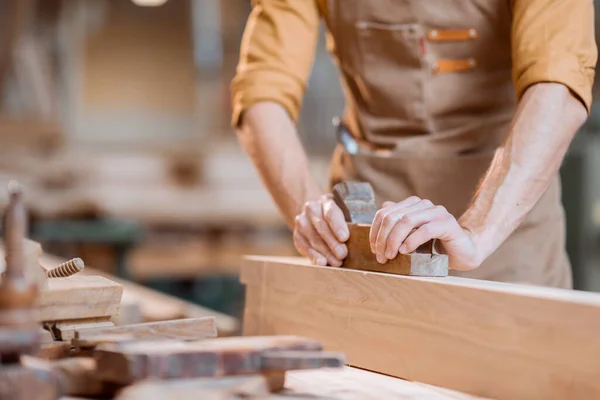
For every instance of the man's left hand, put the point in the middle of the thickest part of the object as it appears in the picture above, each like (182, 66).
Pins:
(404, 226)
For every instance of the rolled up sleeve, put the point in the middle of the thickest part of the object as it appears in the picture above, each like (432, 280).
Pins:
(554, 41)
(276, 55)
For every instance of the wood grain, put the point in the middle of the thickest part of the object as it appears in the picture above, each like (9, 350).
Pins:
(133, 361)
(417, 264)
(78, 297)
(468, 335)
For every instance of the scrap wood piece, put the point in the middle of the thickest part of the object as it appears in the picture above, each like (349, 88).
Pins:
(65, 330)
(129, 362)
(542, 340)
(83, 345)
(79, 297)
(228, 388)
(281, 360)
(181, 329)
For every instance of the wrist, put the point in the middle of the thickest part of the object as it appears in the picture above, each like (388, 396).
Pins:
(481, 236)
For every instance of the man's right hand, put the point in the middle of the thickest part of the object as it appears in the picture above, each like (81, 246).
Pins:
(320, 232)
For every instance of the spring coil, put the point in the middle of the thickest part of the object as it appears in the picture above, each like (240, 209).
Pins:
(66, 269)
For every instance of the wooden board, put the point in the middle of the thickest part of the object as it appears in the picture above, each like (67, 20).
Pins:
(129, 362)
(485, 338)
(78, 297)
(193, 389)
(357, 384)
(183, 329)
(65, 330)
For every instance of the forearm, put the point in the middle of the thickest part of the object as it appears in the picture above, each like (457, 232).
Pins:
(269, 137)
(547, 118)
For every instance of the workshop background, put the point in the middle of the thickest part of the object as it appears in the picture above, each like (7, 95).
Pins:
(115, 115)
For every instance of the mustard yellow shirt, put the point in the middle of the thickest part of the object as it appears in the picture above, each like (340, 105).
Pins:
(552, 41)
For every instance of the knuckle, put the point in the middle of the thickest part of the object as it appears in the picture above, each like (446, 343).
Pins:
(406, 219)
(314, 207)
(388, 220)
(300, 222)
(441, 209)
(320, 226)
(329, 212)
(427, 202)
(426, 229)
(414, 198)
(308, 207)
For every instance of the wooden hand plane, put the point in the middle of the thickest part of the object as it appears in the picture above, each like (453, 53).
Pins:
(357, 201)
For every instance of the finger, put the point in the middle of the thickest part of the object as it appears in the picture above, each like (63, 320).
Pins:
(377, 221)
(409, 222)
(427, 232)
(322, 228)
(304, 249)
(391, 219)
(335, 218)
(387, 204)
(315, 242)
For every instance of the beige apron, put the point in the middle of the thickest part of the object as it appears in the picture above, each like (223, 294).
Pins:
(431, 85)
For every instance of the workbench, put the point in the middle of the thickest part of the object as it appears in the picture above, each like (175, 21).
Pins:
(331, 384)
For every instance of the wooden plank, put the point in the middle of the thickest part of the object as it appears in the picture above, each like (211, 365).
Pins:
(356, 384)
(65, 330)
(129, 362)
(78, 297)
(182, 329)
(485, 338)
(209, 389)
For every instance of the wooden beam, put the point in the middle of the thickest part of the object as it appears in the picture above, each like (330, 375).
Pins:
(484, 338)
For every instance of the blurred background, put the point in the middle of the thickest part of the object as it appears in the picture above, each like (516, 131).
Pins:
(115, 115)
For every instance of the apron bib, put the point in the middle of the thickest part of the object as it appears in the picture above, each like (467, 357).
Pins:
(439, 108)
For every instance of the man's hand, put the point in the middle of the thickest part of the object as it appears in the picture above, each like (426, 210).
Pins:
(320, 232)
(404, 226)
